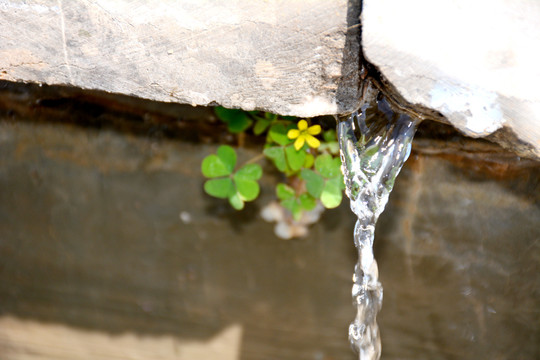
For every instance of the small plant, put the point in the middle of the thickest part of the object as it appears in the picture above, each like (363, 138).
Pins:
(225, 183)
(311, 166)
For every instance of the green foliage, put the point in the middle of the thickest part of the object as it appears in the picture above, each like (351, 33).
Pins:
(330, 144)
(313, 173)
(236, 120)
(239, 186)
(326, 181)
(294, 202)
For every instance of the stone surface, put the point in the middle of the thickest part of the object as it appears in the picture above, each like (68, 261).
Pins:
(476, 62)
(109, 246)
(298, 58)
(292, 58)
(128, 246)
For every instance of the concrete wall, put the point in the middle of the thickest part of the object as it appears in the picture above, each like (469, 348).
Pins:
(110, 249)
(288, 57)
(474, 62)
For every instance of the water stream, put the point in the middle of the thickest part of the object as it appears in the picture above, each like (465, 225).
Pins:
(375, 142)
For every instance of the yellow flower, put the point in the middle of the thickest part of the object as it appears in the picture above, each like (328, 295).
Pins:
(305, 134)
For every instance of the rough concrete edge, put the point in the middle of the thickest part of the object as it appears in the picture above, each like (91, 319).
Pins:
(503, 136)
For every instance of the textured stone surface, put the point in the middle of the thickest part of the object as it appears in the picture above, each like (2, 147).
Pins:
(296, 58)
(292, 58)
(476, 62)
(110, 248)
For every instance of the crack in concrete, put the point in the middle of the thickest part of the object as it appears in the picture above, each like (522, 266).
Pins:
(12, 66)
(64, 43)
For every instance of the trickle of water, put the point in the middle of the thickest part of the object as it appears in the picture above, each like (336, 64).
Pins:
(375, 142)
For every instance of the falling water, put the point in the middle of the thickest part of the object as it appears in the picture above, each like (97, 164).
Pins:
(374, 142)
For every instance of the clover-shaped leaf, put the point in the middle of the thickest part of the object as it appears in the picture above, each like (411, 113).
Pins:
(286, 158)
(330, 144)
(330, 135)
(277, 155)
(295, 148)
(328, 166)
(326, 183)
(270, 116)
(221, 164)
(236, 120)
(332, 193)
(278, 134)
(284, 192)
(310, 160)
(236, 201)
(295, 158)
(250, 172)
(245, 180)
(307, 201)
(220, 188)
(314, 182)
(261, 125)
(238, 187)
(293, 202)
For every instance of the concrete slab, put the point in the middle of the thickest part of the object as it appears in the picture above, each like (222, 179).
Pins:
(476, 62)
(287, 57)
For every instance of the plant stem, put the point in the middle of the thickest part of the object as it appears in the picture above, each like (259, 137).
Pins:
(253, 159)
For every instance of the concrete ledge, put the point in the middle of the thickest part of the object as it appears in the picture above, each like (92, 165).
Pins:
(288, 57)
(473, 62)
(476, 62)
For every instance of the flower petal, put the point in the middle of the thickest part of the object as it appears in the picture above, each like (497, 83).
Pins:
(312, 141)
(314, 130)
(299, 142)
(293, 134)
(302, 125)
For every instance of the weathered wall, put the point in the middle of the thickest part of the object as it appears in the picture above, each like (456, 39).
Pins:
(110, 249)
(288, 57)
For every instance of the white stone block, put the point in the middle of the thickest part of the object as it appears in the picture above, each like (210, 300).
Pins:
(476, 62)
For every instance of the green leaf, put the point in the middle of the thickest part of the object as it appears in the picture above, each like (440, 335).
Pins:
(228, 156)
(235, 201)
(330, 135)
(249, 172)
(290, 118)
(270, 116)
(284, 192)
(328, 166)
(236, 120)
(295, 158)
(261, 125)
(248, 189)
(277, 155)
(293, 206)
(212, 166)
(220, 188)
(331, 147)
(307, 201)
(332, 193)
(314, 182)
(310, 160)
(221, 164)
(278, 133)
